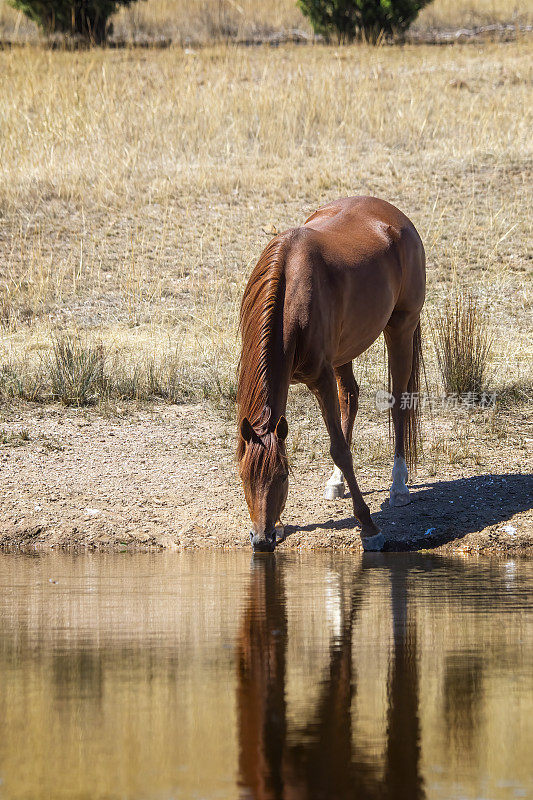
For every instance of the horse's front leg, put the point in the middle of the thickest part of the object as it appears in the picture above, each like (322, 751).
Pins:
(348, 392)
(325, 391)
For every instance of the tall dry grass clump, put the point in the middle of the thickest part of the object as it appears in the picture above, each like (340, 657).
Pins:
(463, 344)
(76, 370)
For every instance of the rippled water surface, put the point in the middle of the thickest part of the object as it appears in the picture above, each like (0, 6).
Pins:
(219, 675)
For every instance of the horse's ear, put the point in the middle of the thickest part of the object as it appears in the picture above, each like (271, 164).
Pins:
(282, 429)
(247, 432)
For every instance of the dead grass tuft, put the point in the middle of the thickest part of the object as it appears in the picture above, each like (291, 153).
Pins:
(14, 438)
(463, 344)
(76, 370)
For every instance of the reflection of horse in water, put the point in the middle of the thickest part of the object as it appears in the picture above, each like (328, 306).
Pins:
(322, 762)
(261, 683)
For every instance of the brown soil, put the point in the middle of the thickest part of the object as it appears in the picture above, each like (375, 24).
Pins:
(164, 476)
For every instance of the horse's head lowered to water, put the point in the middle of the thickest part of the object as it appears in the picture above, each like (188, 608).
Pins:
(264, 472)
(263, 383)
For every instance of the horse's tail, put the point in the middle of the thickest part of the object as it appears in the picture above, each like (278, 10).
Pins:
(411, 429)
(411, 417)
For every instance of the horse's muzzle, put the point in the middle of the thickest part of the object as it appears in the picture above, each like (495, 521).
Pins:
(263, 544)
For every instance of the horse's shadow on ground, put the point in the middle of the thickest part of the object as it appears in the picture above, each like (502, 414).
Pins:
(445, 511)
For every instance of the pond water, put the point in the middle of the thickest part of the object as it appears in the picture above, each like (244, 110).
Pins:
(223, 675)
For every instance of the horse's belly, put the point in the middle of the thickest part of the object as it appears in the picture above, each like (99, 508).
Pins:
(362, 322)
(350, 349)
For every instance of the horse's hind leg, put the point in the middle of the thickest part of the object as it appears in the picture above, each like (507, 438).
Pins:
(348, 392)
(326, 392)
(399, 339)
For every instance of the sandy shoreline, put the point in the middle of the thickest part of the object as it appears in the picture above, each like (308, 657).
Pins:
(164, 477)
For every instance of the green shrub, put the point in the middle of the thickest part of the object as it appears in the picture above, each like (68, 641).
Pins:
(88, 19)
(360, 19)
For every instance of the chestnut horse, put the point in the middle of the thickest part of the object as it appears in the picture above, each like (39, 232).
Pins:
(318, 297)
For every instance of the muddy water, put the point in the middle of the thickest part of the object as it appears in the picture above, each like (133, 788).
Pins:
(216, 675)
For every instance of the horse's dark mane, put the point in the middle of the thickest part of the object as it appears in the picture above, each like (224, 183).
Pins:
(256, 323)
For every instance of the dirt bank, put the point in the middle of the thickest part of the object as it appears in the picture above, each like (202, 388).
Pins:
(164, 477)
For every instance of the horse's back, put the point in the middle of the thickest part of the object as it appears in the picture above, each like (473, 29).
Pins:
(356, 209)
(349, 267)
(354, 229)
(370, 242)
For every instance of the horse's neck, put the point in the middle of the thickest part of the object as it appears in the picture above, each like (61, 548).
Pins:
(269, 381)
(277, 387)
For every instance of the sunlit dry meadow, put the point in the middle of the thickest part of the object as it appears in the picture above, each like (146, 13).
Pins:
(139, 185)
(202, 21)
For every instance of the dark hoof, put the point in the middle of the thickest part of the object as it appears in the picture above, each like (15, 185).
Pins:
(373, 544)
(263, 545)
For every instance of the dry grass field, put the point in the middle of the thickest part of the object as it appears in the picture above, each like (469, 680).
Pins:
(202, 21)
(138, 188)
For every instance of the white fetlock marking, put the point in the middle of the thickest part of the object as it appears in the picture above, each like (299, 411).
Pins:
(399, 493)
(335, 486)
